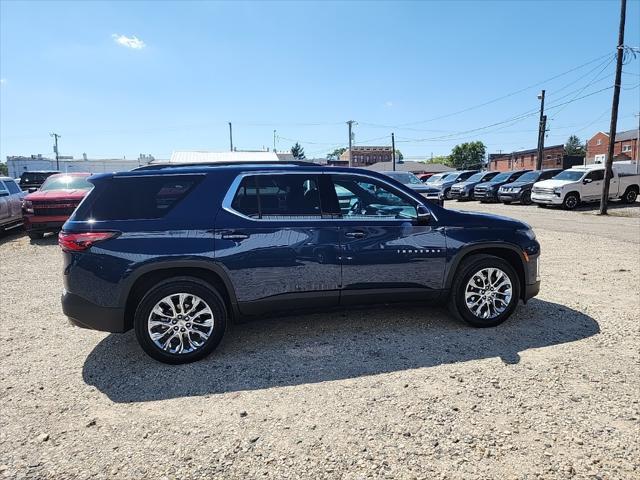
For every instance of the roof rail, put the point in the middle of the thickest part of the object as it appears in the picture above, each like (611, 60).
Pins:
(157, 166)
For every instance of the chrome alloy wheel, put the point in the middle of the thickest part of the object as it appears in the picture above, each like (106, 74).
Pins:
(180, 323)
(488, 293)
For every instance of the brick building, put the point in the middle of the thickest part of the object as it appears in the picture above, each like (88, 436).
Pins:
(624, 148)
(554, 157)
(365, 155)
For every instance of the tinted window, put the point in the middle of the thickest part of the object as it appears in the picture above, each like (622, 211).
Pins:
(12, 187)
(273, 196)
(532, 177)
(596, 175)
(406, 178)
(141, 197)
(464, 176)
(362, 198)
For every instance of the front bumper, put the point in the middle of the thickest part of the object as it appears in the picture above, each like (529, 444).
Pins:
(546, 199)
(85, 314)
(42, 223)
(461, 194)
(531, 290)
(510, 196)
(485, 195)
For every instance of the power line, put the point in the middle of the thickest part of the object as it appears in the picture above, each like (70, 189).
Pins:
(507, 95)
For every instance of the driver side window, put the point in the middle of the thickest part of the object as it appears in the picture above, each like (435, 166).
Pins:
(359, 197)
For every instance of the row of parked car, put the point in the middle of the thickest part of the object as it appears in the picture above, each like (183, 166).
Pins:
(567, 188)
(41, 201)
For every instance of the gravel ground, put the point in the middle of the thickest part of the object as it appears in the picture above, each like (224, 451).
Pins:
(372, 393)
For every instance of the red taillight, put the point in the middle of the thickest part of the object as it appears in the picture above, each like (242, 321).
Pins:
(76, 242)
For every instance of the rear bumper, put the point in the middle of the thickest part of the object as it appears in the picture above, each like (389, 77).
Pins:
(85, 314)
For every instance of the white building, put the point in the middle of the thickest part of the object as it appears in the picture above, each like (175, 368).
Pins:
(18, 164)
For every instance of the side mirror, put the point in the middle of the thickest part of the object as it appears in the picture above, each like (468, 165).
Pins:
(4, 194)
(32, 189)
(424, 215)
(587, 180)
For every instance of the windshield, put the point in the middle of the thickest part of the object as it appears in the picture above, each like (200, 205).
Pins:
(66, 182)
(435, 178)
(476, 177)
(447, 178)
(405, 177)
(529, 177)
(501, 177)
(571, 175)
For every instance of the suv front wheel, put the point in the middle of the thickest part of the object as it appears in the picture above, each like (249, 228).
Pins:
(180, 320)
(485, 291)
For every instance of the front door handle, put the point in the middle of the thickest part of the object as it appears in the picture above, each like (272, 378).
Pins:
(356, 234)
(234, 236)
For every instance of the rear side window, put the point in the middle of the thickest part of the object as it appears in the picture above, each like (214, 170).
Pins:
(137, 198)
(596, 175)
(271, 197)
(12, 187)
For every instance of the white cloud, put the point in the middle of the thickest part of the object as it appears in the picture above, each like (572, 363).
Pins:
(129, 42)
(388, 104)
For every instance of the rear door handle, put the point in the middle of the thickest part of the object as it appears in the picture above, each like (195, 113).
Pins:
(234, 236)
(356, 234)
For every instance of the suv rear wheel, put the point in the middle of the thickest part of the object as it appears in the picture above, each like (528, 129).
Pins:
(180, 320)
(485, 291)
(630, 195)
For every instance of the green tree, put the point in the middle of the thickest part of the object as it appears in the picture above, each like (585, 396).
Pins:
(467, 155)
(4, 169)
(335, 155)
(298, 152)
(574, 146)
(442, 159)
(399, 155)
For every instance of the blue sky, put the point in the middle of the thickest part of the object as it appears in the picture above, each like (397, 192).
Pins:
(123, 78)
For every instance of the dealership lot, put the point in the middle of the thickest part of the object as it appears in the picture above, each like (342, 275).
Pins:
(383, 392)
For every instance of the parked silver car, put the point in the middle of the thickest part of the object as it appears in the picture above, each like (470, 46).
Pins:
(10, 203)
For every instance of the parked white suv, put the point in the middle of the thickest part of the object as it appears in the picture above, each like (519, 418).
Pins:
(584, 184)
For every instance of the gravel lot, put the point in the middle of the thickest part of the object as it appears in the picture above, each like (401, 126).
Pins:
(384, 393)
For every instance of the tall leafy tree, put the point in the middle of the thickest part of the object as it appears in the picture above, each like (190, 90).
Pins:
(467, 155)
(4, 169)
(298, 152)
(399, 155)
(574, 146)
(335, 155)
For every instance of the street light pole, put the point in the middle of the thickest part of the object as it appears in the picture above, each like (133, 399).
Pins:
(541, 130)
(55, 149)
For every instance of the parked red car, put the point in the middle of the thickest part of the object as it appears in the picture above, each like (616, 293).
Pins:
(46, 209)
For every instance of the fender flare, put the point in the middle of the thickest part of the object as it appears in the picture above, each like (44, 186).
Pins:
(464, 251)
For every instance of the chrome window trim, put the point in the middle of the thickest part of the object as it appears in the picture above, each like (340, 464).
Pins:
(233, 188)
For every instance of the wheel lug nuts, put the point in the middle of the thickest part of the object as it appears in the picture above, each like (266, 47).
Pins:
(175, 328)
(182, 330)
(188, 325)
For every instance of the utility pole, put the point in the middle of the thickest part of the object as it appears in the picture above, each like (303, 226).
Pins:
(604, 199)
(274, 141)
(230, 137)
(541, 130)
(55, 149)
(393, 149)
(350, 123)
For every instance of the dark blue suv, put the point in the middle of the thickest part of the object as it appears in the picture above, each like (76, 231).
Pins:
(178, 252)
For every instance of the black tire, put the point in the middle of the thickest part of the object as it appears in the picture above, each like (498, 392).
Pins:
(35, 235)
(630, 195)
(525, 199)
(177, 285)
(447, 194)
(571, 201)
(466, 270)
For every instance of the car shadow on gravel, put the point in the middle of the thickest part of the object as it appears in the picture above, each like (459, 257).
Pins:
(315, 348)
